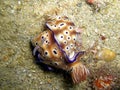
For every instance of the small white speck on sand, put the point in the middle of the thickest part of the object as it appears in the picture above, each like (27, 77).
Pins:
(41, 83)
(12, 11)
(19, 2)
(29, 75)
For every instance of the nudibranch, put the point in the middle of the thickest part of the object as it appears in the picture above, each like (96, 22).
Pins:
(58, 46)
(65, 35)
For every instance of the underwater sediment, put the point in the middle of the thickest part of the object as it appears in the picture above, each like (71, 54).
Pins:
(20, 20)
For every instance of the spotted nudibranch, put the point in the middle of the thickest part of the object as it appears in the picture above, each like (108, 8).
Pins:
(65, 35)
(58, 47)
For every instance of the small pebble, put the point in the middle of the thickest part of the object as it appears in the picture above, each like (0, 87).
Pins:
(24, 70)
(19, 2)
(41, 83)
(33, 71)
(90, 1)
(12, 11)
(29, 75)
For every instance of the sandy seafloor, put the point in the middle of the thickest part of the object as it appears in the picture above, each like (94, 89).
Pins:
(22, 19)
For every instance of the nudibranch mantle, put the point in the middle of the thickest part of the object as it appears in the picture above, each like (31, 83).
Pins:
(58, 46)
(65, 35)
